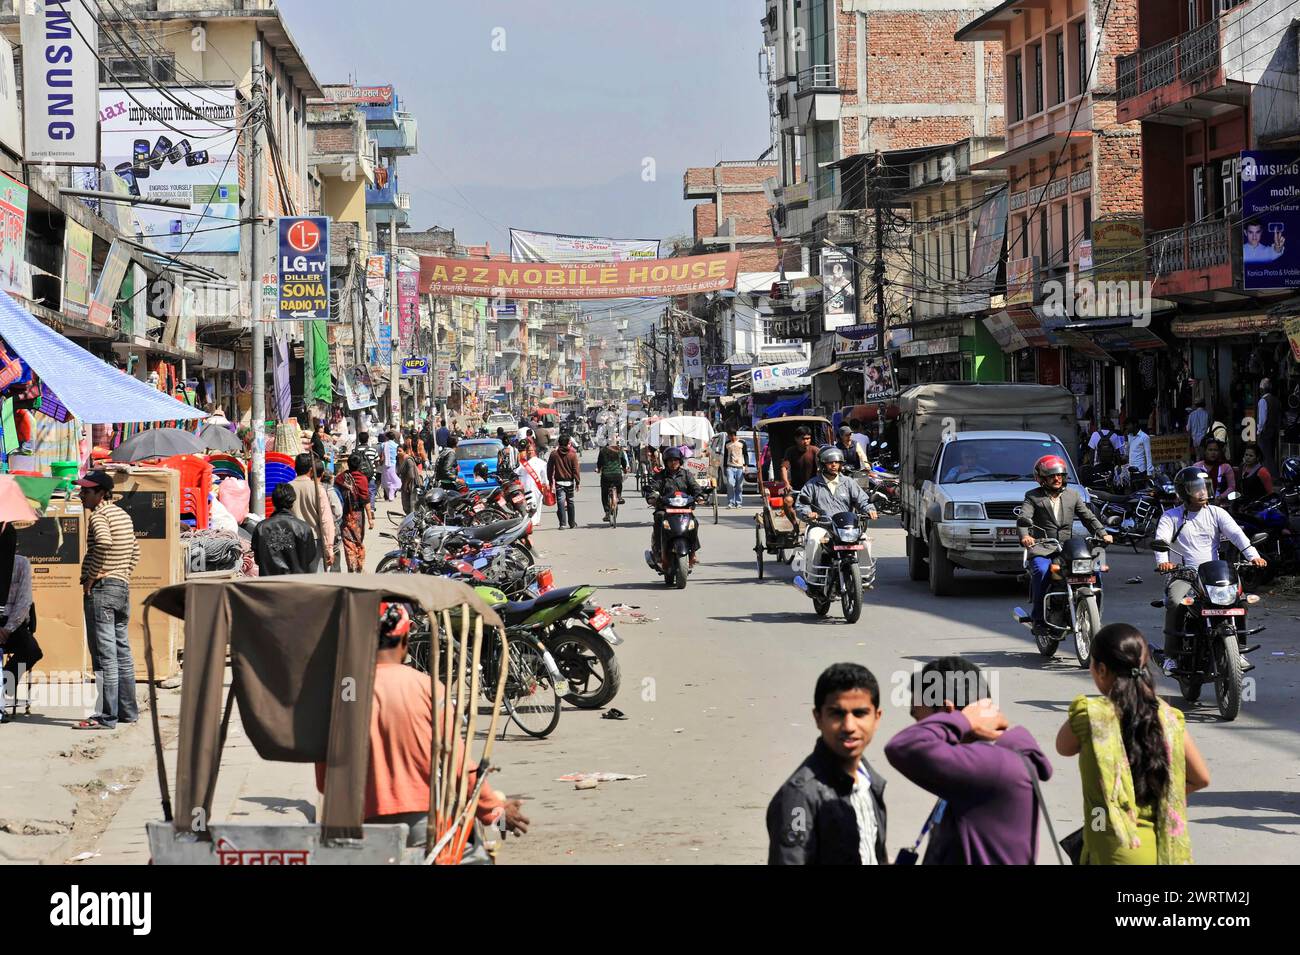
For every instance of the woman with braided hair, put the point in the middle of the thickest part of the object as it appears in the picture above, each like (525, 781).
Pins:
(1137, 761)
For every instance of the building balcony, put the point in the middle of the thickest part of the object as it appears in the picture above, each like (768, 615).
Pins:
(402, 138)
(819, 77)
(383, 215)
(383, 196)
(1199, 260)
(1199, 74)
(382, 115)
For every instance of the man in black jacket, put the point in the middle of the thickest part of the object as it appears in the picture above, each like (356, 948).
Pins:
(1049, 511)
(831, 811)
(674, 477)
(283, 544)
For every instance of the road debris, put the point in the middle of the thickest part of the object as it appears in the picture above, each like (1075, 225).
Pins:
(597, 777)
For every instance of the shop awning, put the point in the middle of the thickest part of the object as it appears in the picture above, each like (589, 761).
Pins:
(834, 366)
(93, 390)
(1248, 324)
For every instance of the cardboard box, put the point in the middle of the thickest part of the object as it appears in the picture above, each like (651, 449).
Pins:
(54, 546)
(152, 497)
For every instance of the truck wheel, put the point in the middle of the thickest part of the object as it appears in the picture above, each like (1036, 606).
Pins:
(941, 571)
(916, 569)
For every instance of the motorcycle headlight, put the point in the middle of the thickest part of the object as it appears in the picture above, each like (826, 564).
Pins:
(1081, 566)
(1222, 594)
(850, 535)
(963, 511)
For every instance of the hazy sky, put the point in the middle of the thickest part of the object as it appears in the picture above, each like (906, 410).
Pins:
(551, 133)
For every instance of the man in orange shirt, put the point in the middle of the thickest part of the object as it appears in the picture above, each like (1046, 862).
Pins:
(401, 743)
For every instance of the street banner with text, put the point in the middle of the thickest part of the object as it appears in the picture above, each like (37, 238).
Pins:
(683, 276)
(526, 246)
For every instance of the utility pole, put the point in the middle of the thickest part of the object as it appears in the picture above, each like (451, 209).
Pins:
(878, 273)
(439, 407)
(257, 474)
(394, 324)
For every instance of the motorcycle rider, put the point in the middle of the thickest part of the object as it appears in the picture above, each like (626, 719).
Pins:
(823, 496)
(1193, 532)
(854, 457)
(1051, 508)
(673, 478)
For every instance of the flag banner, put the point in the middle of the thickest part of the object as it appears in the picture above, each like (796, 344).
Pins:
(653, 277)
(526, 246)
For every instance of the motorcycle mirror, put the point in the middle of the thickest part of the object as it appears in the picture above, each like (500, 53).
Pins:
(1160, 547)
(1233, 496)
(1259, 539)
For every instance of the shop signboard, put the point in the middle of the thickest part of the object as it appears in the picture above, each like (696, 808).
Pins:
(692, 358)
(526, 246)
(930, 346)
(408, 303)
(11, 125)
(839, 290)
(442, 382)
(304, 268)
(1170, 448)
(415, 367)
(1270, 208)
(76, 269)
(15, 277)
(109, 283)
(717, 380)
(60, 103)
(878, 382)
(1119, 249)
(1292, 327)
(553, 280)
(1020, 281)
(791, 376)
(176, 145)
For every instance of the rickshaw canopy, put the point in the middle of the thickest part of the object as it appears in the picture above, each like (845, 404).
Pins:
(302, 650)
(681, 426)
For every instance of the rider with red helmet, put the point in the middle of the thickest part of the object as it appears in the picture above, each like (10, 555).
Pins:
(1050, 511)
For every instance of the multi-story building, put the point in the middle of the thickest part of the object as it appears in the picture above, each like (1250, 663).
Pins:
(736, 215)
(957, 218)
(1069, 161)
(1211, 82)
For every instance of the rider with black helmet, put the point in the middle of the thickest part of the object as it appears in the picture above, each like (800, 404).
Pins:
(1193, 532)
(674, 477)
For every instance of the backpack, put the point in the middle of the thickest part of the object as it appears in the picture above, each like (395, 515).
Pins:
(370, 460)
(1105, 453)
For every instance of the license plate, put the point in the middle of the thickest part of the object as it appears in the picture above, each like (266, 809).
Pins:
(1008, 533)
(479, 507)
(1083, 580)
(1225, 612)
(848, 547)
(677, 510)
(599, 620)
(517, 499)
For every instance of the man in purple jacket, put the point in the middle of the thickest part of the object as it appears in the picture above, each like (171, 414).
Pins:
(962, 749)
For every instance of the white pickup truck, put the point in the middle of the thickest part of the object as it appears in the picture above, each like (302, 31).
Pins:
(967, 459)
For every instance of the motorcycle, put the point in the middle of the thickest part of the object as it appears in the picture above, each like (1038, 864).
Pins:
(838, 571)
(882, 455)
(1270, 519)
(1138, 508)
(419, 541)
(1214, 631)
(675, 540)
(1073, 600)
(883, 489)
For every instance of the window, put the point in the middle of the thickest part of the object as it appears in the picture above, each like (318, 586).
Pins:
(1081, 51)
(952, 255)
(1063, 210)
(1018, 87)
(1038, 77)
(1022, 223)
(1198, 194)
(1058, 45)
(1230, 182)
(1087, 217)
(822, 143)
(138, 69)
(1044, 249)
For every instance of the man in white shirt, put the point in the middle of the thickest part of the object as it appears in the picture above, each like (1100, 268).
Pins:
(1254, 251)
(1139, 449)
(1193, 532)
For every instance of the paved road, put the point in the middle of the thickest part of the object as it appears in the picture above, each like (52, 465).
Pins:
(718, 691)
(717, 687)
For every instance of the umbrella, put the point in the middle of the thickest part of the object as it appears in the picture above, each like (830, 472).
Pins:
(157, 443)
(216, 438)
(13, 502)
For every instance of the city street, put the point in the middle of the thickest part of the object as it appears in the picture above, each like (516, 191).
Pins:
(717, 687)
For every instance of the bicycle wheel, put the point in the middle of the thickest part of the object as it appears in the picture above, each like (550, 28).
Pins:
(531, 698)
(613, 507)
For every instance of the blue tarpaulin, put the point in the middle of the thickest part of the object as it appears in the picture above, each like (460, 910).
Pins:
(92, 390)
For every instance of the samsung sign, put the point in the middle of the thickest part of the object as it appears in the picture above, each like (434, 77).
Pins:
(60, 81)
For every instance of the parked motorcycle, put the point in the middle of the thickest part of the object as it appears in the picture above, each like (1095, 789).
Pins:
(675, 537)
(1138, 507)
(883, 489)
(838, 572)
(1072, 603)
(1214, 631)
(1270, 519)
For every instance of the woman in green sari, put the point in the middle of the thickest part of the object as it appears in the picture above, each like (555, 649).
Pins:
(1136, 760)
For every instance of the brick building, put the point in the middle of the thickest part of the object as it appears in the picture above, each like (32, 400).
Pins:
(736, 217)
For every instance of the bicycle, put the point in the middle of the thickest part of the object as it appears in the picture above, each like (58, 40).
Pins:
(532, 691)
(611, 504)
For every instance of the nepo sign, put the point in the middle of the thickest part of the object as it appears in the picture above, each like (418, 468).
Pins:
(60, 81)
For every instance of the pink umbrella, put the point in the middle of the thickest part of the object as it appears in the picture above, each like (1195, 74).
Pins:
(13, 502)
